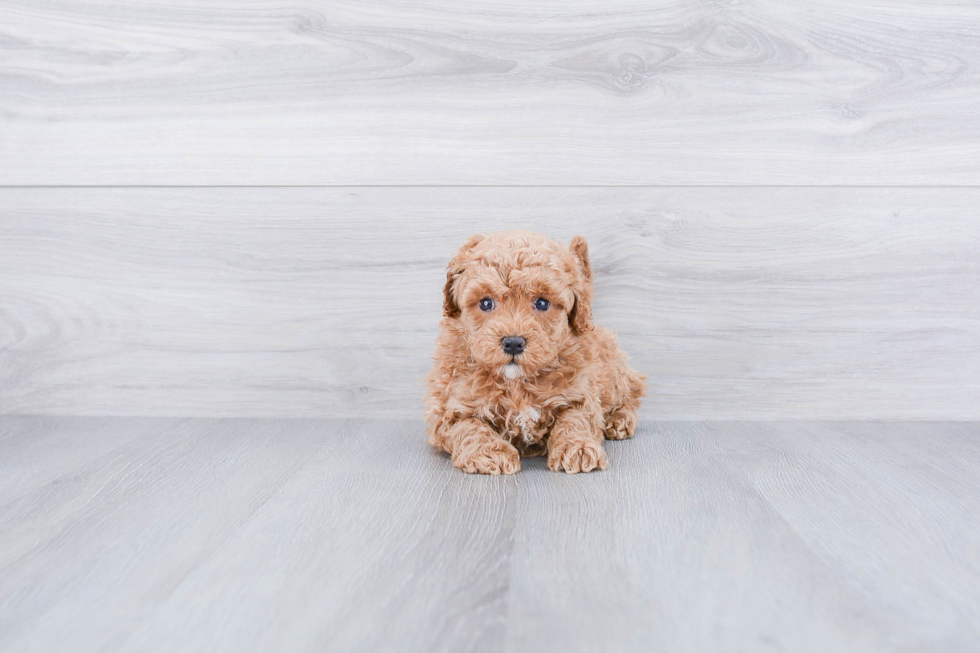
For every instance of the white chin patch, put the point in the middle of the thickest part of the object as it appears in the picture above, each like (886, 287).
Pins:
(513, 370)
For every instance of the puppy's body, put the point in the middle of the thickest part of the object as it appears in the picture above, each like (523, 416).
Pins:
(567, 387)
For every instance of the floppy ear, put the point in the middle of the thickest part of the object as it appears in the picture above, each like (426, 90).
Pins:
(580, 315)
(453, 270)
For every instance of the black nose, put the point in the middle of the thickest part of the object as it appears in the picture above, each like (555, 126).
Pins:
(513, 345)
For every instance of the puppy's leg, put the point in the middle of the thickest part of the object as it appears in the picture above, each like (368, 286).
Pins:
(620, 423)
(621, 420)
(477, 449)
(575, 443)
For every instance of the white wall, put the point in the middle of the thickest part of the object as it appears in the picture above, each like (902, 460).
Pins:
(782, 200)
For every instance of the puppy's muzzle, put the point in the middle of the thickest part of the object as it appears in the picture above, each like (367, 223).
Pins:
(513, 345)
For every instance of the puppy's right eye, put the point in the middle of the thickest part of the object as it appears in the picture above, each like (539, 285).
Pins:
(486, 304)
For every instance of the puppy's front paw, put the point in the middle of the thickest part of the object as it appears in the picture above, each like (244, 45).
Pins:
(576, 455)
(488, 456)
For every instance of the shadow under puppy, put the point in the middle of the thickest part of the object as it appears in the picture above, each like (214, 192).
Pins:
(520, 369)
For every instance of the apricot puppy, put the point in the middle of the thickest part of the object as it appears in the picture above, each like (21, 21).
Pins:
(519, 367)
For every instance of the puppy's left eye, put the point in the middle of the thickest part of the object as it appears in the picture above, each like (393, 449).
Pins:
(542, 304)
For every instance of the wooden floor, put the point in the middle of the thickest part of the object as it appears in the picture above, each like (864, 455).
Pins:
(290, 535)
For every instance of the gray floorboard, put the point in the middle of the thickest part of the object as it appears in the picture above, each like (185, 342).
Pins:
(248, 534)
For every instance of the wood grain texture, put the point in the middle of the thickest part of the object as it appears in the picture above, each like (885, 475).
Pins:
(39, 451)
(124, 529)
(737, 302)
(557, 92)
(731, 518)
(256, 535)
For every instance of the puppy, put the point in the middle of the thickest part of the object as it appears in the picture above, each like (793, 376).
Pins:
(519, 367)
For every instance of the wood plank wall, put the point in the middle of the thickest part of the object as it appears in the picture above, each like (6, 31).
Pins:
(218, 208)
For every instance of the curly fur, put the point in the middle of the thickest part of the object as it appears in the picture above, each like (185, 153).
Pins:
(570, 388)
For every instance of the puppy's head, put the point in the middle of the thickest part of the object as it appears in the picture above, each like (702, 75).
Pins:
(519, 298)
